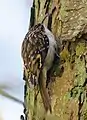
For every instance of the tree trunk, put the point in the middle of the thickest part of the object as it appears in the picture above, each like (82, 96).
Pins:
(68, 22)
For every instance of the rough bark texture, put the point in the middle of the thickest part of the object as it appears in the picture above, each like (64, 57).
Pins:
(69, 90)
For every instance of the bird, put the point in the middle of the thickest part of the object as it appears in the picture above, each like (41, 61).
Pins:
(38, 52)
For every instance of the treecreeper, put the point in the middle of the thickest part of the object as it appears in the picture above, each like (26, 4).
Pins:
(38, 51)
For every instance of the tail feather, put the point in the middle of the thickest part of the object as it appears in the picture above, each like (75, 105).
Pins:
(45, 96)
(46, 100)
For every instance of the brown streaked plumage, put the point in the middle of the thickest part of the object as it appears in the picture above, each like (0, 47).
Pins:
(38, 52)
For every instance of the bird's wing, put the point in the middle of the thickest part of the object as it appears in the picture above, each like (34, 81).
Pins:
(34, 50)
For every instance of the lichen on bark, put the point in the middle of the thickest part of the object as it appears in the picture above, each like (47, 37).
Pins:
(69, 89)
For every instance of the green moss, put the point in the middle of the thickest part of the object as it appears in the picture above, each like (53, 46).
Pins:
(80, 72)
(65, 54)
(80, 49)
(84, 115)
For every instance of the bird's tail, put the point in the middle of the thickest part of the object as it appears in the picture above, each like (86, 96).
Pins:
(45, 96)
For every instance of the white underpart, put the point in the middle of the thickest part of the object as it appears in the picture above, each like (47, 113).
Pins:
(51, 50)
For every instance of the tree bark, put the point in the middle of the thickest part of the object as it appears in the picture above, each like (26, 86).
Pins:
(69, 89)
